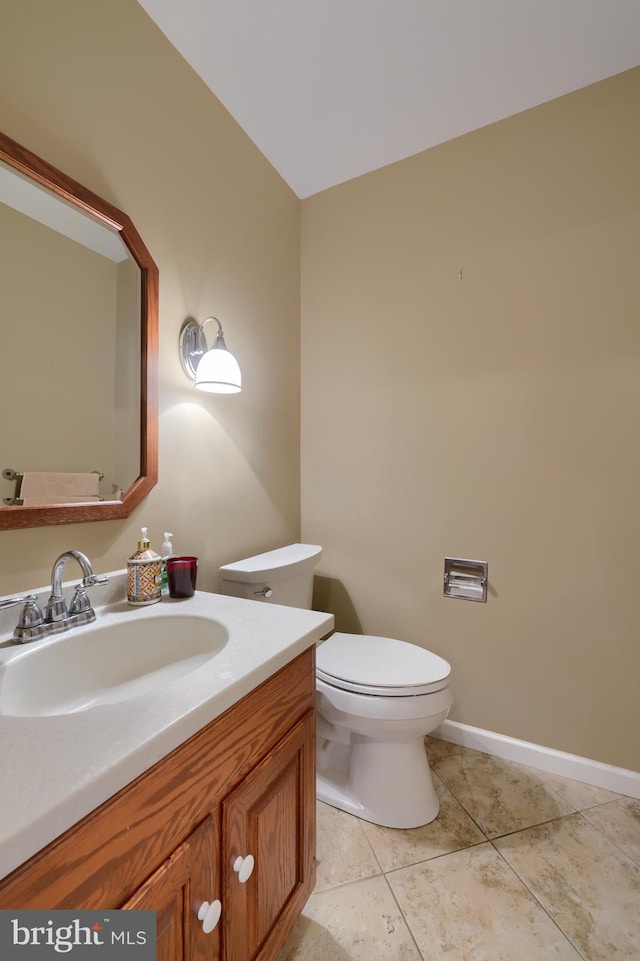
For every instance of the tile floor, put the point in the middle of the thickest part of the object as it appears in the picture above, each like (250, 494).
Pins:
(519, 865)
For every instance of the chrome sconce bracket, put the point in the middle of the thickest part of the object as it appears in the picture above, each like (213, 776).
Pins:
(212, 369)
(192, 346)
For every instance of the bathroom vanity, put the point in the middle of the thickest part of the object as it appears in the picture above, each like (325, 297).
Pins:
(216, 829)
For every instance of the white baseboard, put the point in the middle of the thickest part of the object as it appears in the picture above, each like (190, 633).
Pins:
(612, 778)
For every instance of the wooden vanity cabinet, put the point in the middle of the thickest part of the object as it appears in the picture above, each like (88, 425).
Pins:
(227, 817)
(263, 815)
(171, 892)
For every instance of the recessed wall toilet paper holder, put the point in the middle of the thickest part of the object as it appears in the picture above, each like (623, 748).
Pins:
(466, 579)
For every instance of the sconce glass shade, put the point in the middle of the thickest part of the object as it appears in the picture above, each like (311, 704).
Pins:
(213, 369)
(218, 372)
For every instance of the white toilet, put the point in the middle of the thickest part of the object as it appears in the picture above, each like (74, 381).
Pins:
(377, 698)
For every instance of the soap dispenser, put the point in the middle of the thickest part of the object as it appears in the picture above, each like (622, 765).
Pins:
(166, 552)
(144, 573)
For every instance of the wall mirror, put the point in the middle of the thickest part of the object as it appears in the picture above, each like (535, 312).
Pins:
(78, 365)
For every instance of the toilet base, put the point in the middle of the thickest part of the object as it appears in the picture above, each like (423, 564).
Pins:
(387, 783)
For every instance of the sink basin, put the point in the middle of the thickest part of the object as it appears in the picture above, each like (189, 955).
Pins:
(106, 665)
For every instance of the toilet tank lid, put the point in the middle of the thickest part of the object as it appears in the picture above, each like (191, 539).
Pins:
(278, 563)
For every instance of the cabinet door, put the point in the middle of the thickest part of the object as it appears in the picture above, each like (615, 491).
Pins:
(176, 892)
(270, 816)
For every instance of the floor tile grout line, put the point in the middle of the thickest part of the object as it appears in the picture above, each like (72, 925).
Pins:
(453, 793)
(558, 817)
(564, 817)
(579, 811)
(609, 839)
(519, 765)
(385, 876)
(493, 841)
(404, 918)
(436, 857)
(511, 869)
(536, 824)
(363, 828)
(346, 884)
(602, 804)
(614, 844)
(539, 902)
(458, 801)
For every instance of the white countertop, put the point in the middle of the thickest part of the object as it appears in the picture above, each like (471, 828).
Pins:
(57, 769)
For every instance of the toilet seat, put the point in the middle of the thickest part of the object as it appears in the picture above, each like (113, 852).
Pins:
(382, 666)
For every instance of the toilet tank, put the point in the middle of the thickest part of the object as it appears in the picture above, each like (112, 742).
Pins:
(283, 576)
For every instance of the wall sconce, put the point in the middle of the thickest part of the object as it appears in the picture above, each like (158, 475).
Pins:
(213, 369)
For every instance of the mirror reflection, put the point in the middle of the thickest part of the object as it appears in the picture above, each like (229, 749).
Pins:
(78, 301)
(71, 355)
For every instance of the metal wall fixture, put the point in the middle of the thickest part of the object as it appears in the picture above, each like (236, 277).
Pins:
(466, 579)
(213, 369)
(17, 476)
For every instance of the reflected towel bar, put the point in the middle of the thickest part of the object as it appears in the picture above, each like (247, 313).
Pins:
(13, 475)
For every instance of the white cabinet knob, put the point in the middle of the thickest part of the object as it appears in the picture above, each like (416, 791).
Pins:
(243, 867)
(209, 914)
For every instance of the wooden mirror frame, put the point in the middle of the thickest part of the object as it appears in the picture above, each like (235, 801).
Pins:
(25, 162)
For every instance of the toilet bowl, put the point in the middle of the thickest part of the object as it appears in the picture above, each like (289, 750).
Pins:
(377, 698)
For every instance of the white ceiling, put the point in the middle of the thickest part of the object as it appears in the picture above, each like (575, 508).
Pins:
(331, 89)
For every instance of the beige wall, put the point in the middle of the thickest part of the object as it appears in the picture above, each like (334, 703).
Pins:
(97, 90)
(491, 414)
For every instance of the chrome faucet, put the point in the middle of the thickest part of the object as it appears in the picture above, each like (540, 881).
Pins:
(56, 609)
(34, 624)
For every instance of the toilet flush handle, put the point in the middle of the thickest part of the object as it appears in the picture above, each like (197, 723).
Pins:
(265, 592)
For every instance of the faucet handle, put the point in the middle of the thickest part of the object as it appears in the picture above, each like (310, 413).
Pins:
(12, 601)
(80, 602)
(31, 613)
(92, 579)
(31, 617)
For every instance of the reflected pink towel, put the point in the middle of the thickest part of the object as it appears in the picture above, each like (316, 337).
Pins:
(42, 487)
